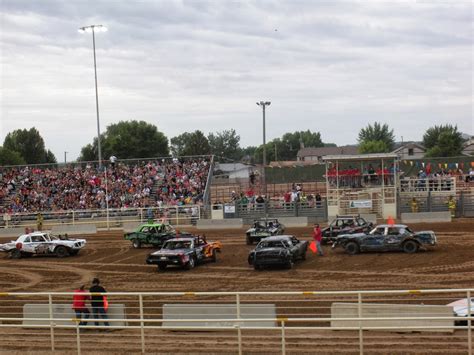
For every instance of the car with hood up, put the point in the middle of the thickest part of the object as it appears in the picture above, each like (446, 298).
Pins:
(282, 250)
(262, 228)
(345, 224)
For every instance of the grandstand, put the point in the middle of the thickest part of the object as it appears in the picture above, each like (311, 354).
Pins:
(126, 184)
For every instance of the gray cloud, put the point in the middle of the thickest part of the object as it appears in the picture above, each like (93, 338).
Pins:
(185, 65)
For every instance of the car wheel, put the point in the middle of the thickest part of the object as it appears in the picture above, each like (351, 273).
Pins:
(191, 263)
(162, 266)
(137, 244)
(351, 248)
(214, 256)
(15, 254)
(289, 264)
(410, 247)
(303, 256)
(257, 267)
(61, 251)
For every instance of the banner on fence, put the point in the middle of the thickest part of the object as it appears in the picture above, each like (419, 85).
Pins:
(361, 204)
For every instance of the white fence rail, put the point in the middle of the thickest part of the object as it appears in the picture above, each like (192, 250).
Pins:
(303, 322)
(106, 218)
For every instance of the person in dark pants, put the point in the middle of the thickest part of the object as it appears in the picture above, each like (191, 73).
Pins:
(97, 301)
(79, 305)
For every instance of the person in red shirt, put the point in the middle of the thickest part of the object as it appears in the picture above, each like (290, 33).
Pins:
(79, 304)
(318, 236)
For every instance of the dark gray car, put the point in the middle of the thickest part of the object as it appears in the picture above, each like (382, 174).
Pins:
(385, 237)
(278, 250)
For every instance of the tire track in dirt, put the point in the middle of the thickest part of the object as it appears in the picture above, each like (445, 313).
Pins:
(20, 275)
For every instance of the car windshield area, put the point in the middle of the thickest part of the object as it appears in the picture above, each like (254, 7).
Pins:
(393, 231)
(273, 244)
(37, 239)
(361, 221)
(177, 244)
(378, 231)
(167, 228)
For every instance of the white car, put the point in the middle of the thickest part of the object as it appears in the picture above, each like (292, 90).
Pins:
(460, 309)
(41, 243)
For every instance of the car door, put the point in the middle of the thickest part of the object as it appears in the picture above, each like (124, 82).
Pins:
(27, 245)
(335, 227)
(376, 239)
(38, 245)
(393, 238)
(199, 248)
(297, 246)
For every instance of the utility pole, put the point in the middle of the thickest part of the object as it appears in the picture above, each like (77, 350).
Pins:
(93, 29)
(263, 104)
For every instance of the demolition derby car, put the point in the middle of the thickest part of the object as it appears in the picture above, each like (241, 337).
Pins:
(40, 243)
(278, 250)
(345, 225)
(155, 234)
(262, 228)
(460, 309)
(185, 252)
(386, 237)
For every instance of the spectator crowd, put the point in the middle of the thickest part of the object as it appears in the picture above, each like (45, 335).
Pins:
(152, 183)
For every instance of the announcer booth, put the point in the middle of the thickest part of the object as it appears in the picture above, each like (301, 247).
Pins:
(362, 184)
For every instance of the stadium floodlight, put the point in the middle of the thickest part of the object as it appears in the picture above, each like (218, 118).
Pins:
(263, 104)
(93, 29)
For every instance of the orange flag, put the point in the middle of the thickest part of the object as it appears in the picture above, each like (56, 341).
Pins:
(390, 221)
(313, 247)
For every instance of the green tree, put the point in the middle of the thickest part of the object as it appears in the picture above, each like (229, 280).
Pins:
(292, 142)
(248, 154)
(373, 147)
(378, 132)
(443, 141)
(128, 139)
(10, 157)
(194, 143)
(225, 144)
(286, 147)
(30, 145)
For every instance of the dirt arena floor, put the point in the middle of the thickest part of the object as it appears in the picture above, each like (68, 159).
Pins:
(122, 269)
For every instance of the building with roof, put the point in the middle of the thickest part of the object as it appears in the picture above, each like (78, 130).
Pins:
(316, 154)
(410, 150)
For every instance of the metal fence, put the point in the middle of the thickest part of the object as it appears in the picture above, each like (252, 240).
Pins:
(106, 218)
(429, 202)
(303, 321)
(251, 211)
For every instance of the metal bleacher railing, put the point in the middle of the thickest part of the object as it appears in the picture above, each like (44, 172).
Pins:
(300, 322)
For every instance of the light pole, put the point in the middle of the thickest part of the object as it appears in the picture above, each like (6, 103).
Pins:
(93, 29)
(263, 104)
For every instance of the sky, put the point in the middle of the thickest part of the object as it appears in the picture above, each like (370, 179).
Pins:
(326, 66)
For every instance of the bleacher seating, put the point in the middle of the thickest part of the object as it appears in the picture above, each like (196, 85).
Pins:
(85, 186)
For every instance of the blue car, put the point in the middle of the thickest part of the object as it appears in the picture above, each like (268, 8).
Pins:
(386, 237)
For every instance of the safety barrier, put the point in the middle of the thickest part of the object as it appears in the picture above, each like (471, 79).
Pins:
(302, 320)
(105, 218)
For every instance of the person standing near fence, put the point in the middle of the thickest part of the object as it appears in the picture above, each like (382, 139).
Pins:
(39, 222)
(79, 305)
(318, 236)
(452, 206)
(414, 205)
(97, 301)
